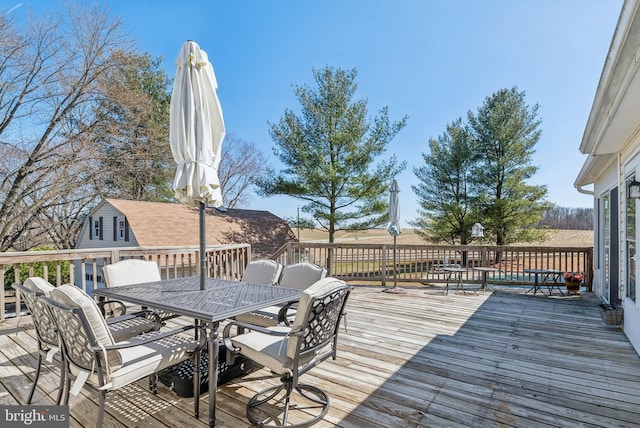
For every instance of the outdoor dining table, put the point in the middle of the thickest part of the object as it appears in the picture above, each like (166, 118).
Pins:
(550, 278)
(221, 299)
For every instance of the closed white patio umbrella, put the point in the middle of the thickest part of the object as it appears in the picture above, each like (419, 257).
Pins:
(394, 230)
(196, 133)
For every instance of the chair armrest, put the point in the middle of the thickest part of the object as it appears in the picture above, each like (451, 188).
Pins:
(282, 313)
(102, 303)
(150, 338)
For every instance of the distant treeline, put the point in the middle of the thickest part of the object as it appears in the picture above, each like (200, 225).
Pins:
(567, 218)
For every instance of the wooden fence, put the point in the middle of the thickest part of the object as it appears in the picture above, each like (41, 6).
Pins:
(84, 267)
(358, 263)
(425, 263)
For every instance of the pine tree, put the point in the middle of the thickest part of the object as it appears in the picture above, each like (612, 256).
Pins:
(330, 153)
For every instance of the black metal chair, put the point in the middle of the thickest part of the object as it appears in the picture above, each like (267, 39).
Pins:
(121, 328)
(93, 356)
(289, 352)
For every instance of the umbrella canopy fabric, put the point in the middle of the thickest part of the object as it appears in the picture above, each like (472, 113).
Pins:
(196, 128)
(394, 210)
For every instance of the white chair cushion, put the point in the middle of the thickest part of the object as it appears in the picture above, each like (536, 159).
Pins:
(268, 351)
(144, 360)
(130, 271)
(36, 283)
(72, 296)
(262, 271)
(301, 275)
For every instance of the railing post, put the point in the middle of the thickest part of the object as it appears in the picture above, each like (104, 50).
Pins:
(383, 266)
(289, 255)
(589, 269)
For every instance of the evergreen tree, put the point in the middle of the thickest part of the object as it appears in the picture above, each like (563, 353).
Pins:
(505, 131)
(445, 192)
(330, 151)
(133, 130)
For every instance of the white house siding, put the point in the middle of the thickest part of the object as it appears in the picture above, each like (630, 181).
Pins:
(612, 141)
(614, 175)
(107, 212)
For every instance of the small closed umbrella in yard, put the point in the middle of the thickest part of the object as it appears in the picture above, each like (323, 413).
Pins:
(394, 230)
(196, 134)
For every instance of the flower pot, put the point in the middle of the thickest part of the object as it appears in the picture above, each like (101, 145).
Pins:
(573, 286)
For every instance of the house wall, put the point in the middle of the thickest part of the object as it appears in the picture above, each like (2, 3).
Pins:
(627, 162)
(630, 163)
(603, 186)
(107, 212)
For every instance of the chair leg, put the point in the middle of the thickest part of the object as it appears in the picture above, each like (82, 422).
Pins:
(67, 387)
(277, 399)
(35, 379)
(153, 383)
(103, 399)
(63, 377)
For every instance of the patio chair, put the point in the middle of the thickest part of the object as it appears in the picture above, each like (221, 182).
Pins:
(121, 328)
(262, 271)
(133, 271)
(298, 276)
(292, 351)
(301, 275)
(92, 355)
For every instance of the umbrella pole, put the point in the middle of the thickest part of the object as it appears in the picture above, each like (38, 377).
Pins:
(395, 266)
(203, 247)
(395, 289)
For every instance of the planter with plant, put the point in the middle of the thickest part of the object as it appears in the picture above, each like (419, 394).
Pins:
(573, 281)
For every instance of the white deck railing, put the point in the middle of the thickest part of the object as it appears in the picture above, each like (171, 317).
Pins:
(425, 263)
(352, 262)
(84, 266)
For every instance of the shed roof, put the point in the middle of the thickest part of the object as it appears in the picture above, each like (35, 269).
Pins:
(167, 224)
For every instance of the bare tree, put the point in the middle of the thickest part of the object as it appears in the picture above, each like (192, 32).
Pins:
(48, 73)
(242, 164)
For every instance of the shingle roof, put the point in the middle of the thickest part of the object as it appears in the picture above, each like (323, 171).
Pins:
(166, 224)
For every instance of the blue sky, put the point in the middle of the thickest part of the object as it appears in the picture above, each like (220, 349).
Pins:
(431, 60)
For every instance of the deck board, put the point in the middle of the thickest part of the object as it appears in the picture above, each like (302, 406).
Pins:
(409, 360)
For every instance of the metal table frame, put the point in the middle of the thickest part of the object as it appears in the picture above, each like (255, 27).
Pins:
(549, 278)
(485, 271)
(457, 273)
(221, 299)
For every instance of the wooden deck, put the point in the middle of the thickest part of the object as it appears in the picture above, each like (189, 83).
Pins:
(425, 359)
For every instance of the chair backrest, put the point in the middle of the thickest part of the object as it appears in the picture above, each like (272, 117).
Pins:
(32, 289)
(301, 275)
(81, 327)
(314, 332)
(130, 271)
(262, 271)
